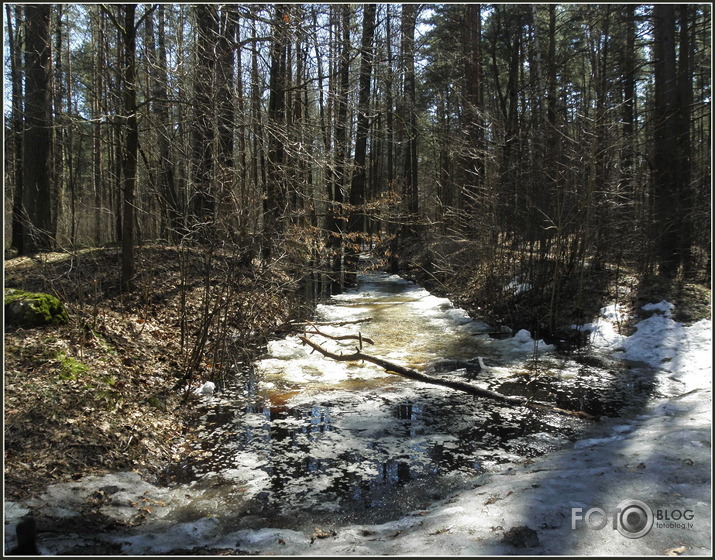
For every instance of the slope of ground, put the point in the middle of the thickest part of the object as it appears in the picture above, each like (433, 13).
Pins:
(111, 390)
(658, 454)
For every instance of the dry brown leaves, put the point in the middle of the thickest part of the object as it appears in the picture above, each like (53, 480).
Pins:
(98, 395)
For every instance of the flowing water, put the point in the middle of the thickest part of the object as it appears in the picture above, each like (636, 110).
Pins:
(298, 438)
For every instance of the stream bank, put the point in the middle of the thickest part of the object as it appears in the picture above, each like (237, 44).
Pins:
(106, 392)
(516, 294)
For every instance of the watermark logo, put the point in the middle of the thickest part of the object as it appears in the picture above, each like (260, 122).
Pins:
(635, 519)
(632, 518)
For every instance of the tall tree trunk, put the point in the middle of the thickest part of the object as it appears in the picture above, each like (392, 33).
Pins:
(72, 146)
(225, 108)
(131, 143)
(258, 164)
(202, 132)
(389, 102)
(508, 199)
(61, 146)
(14, 21)
(337, 181)
(98, 177)
(37, 189)
(275, 198)
(474, 165)
(629, 100)
(409, 154)
(171, 211)
(357, 216)
(683, 142)
(242, 128)
(666, 159)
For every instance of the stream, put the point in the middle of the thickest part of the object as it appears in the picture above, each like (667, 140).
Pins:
(303, 440)
(297, 441)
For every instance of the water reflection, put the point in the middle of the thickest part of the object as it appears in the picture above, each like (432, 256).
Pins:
(311, 435)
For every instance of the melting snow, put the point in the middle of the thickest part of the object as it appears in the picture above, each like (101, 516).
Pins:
(661, 456)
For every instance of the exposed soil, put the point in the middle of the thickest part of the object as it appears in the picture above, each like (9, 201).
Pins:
(112, 390)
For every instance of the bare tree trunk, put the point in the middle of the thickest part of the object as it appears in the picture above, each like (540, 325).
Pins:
(202, 132)
(357, 217)
(131, 144)
(258, 164)
(97, 116)
(171, 211)
(225, 108)
(389, 102)
(61, 145)
(629, 99)
(14, 42)
(667, 188)
(243, 181)
(474, 165)
(275, 196)
(337, 181)
(37, 189)
(685, 100)
(409, 154)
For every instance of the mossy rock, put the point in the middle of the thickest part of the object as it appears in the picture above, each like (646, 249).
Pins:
(33, 309)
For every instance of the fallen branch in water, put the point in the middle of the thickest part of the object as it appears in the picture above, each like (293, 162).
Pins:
(452, 384)
(359, 337)
(343, 323)
(298, 326)
(412, 374)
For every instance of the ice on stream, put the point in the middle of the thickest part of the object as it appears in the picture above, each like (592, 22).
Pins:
(444, 491)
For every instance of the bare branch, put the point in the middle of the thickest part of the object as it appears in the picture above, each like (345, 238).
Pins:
(415, 375)
(359, 337)
(452, 384)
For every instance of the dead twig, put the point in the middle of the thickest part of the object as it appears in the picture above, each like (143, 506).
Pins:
(359, 337)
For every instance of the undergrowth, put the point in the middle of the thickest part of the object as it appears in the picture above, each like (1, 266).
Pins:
(113, 388)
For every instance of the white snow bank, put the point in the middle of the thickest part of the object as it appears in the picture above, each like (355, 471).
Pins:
(685, 351)
(605, 330)
(520, 345)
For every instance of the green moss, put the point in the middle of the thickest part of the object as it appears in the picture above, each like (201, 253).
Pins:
(156, 403)
(32, 309)
(70, 368)
(109, 380)
(104, 343)
(108, 398)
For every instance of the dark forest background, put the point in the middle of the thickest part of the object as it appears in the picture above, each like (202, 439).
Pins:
(530, 145)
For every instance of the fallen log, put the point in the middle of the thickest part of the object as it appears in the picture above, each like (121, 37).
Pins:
(468, 388)
(359, 337)
(412, 374)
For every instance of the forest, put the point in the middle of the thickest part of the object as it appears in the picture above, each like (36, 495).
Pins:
(191, 179)
(548, 137)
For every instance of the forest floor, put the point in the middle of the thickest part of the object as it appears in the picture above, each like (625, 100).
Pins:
(109, 390)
